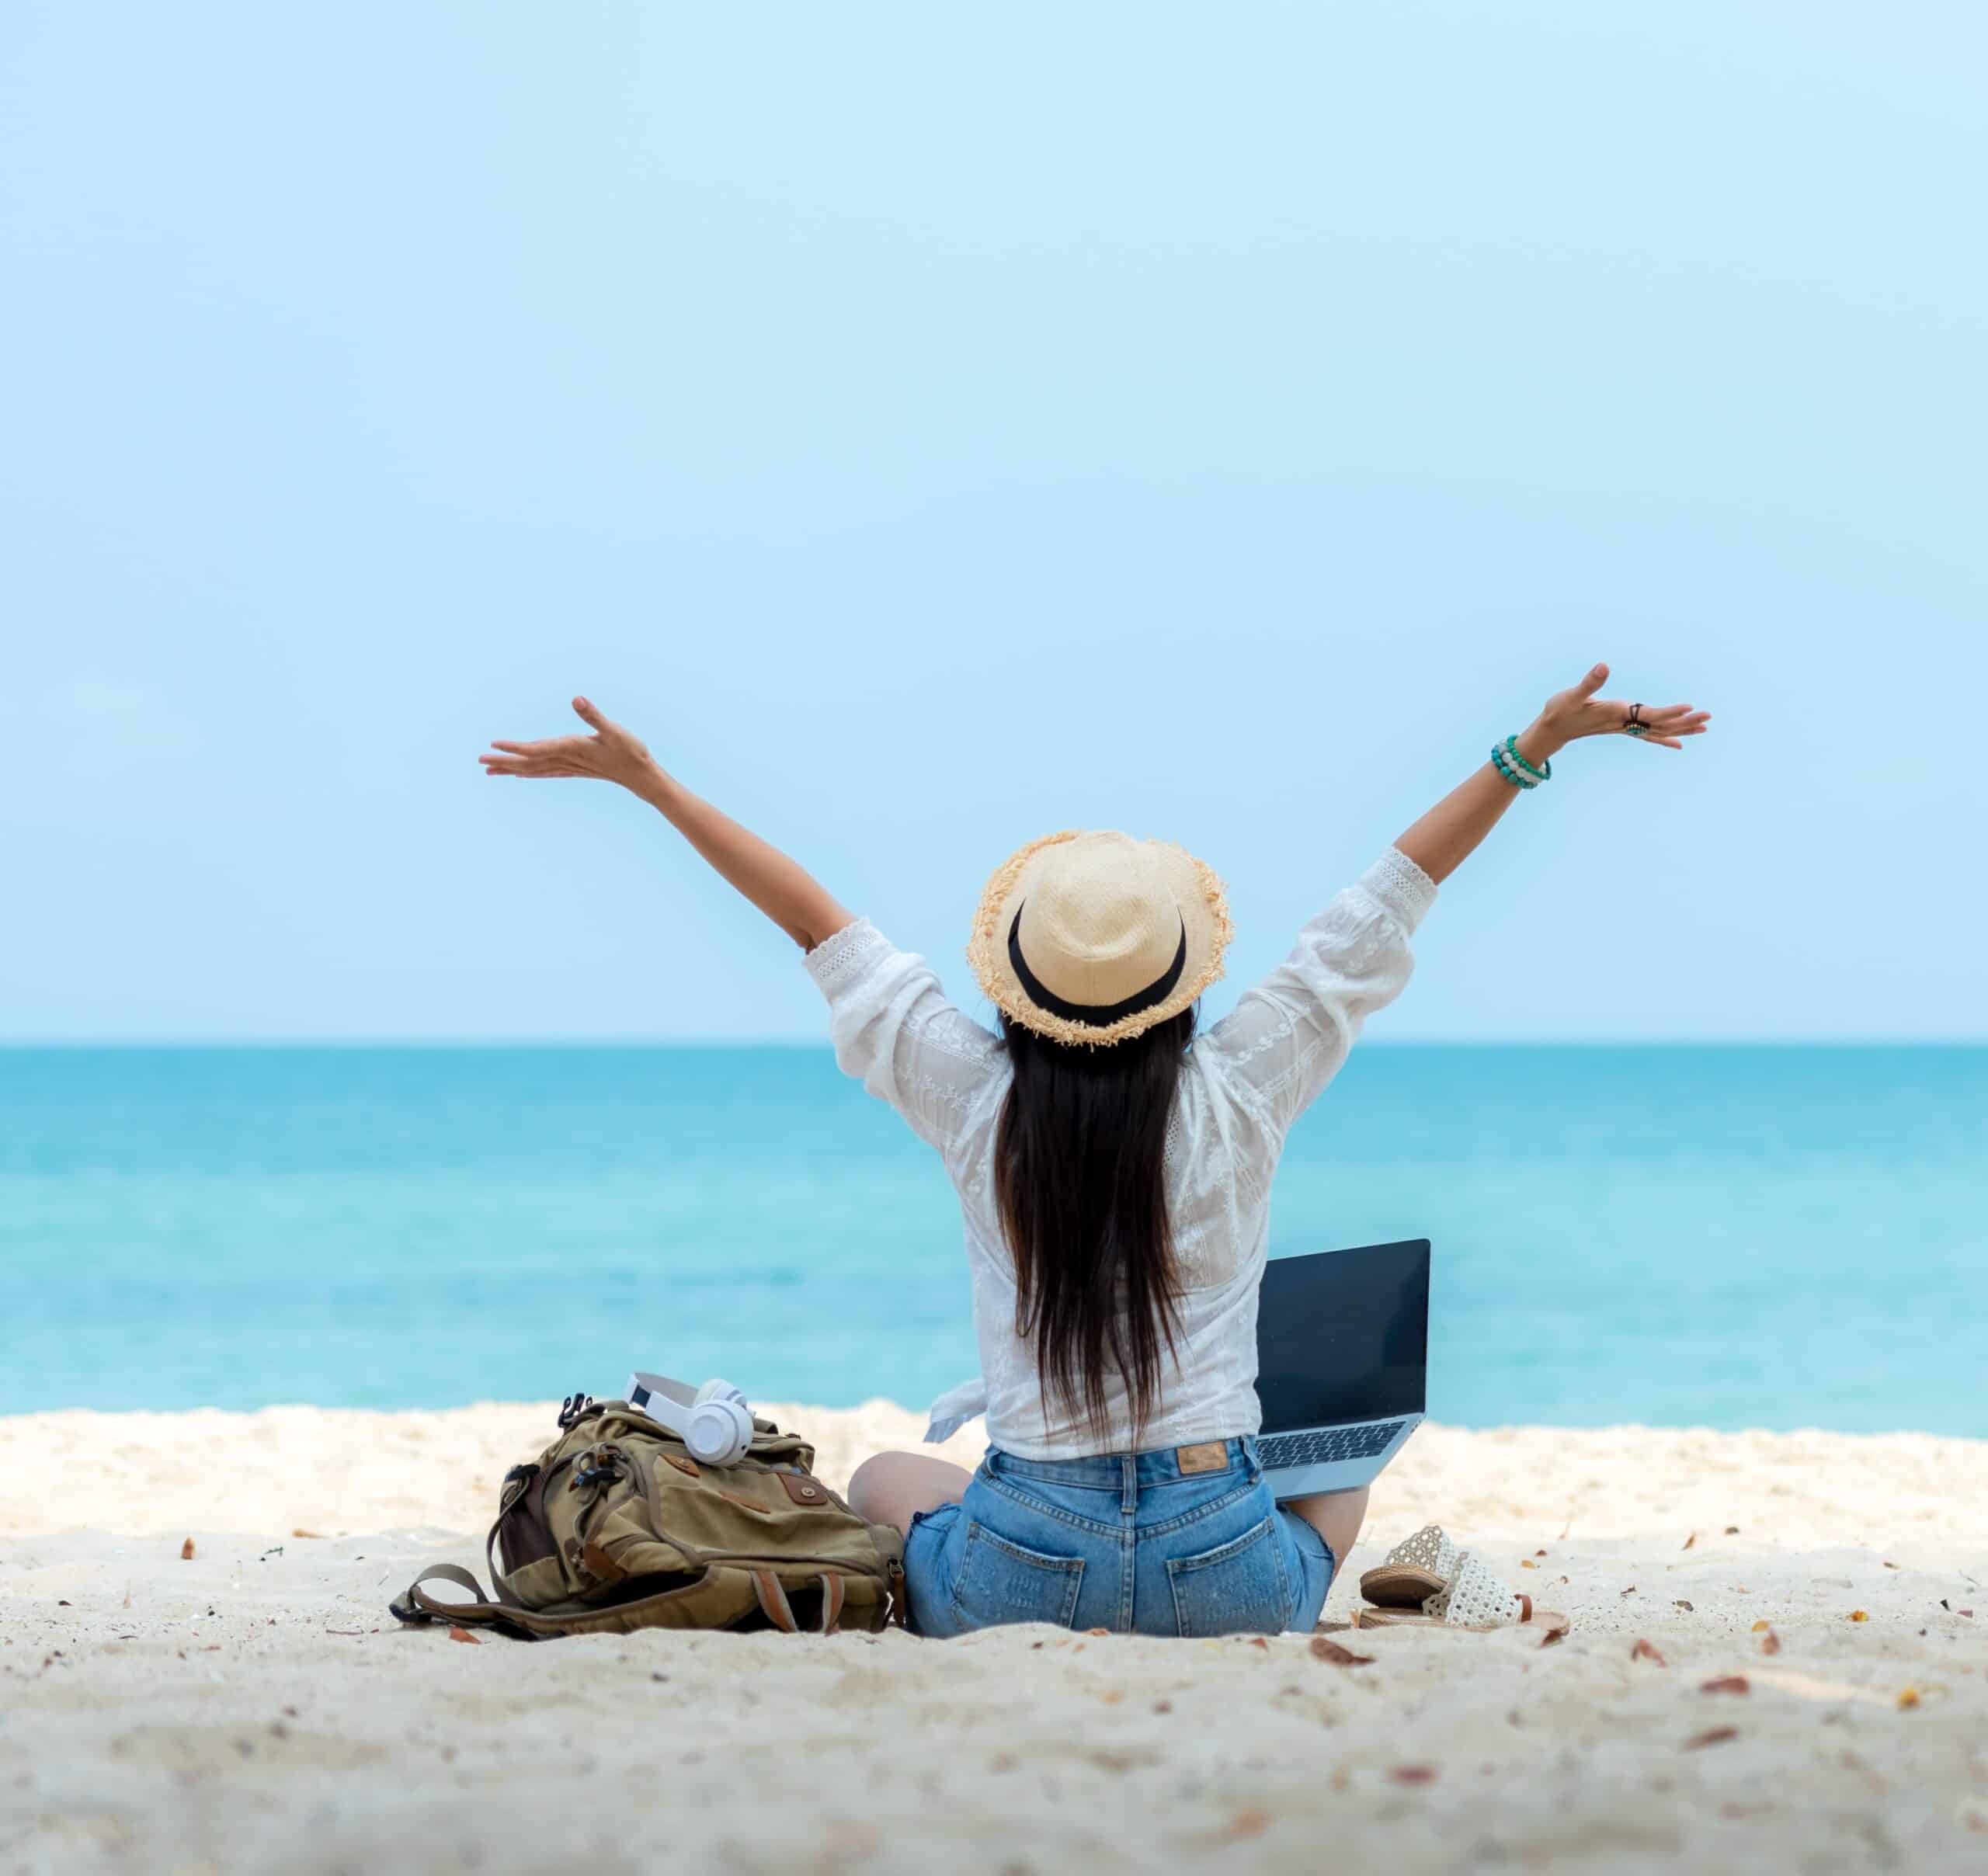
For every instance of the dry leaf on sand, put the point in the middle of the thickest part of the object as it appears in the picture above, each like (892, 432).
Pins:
(1712, 1735)
(186, 1551)
(463, 1634)
(1770, 1643)
(1762, 1626)
(1726, 1683)
(1692, 1540)
(1860, 1615)
(1412, 1774)
(1325, 1648)
(1646, 1651)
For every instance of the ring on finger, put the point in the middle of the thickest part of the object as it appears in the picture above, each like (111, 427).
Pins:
(1633, 724)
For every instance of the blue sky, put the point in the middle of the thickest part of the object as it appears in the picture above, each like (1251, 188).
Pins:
(931, 429)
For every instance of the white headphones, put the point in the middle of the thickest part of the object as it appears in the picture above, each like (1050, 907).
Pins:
(715, 1423)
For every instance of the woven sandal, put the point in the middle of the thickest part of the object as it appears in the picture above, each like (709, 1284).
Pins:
(1415, 1569)
(1427, 1583)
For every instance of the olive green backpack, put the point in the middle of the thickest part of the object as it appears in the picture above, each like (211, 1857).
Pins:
(617, 1527)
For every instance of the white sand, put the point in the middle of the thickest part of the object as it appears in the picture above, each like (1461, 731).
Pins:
(255, 1708)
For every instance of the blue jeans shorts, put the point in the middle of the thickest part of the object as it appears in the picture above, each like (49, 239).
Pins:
(1184, 1541)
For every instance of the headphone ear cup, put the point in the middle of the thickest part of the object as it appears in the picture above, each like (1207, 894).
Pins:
(742, 1422)
(717, 1390)
(718, 1431)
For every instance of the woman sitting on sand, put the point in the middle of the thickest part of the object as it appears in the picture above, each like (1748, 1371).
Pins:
(1113, 1171)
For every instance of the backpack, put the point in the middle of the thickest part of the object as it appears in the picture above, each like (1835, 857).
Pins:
(616, 1526)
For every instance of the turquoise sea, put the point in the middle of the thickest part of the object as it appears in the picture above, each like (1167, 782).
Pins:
(1733, 1236)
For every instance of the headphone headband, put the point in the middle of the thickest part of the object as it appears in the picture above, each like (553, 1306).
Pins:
(714, 1422)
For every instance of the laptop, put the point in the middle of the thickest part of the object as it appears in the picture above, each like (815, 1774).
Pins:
(1342, 1363)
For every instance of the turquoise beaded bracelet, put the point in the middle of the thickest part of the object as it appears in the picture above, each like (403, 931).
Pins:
(1505, 759)
(1543, 773)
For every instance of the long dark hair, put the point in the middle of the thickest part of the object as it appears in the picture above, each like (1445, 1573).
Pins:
(1079, 1183)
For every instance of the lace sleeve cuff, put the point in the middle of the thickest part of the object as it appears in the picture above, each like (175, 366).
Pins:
(837, 961)
(1401, 886)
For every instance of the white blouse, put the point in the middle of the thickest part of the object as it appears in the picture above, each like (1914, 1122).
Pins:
(1243, 1082)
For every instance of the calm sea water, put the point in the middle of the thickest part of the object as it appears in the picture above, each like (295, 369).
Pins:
(1774, 1236)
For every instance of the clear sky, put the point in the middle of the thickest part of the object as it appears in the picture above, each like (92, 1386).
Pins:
(931, 427)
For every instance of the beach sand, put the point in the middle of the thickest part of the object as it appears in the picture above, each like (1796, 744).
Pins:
(255, 1708)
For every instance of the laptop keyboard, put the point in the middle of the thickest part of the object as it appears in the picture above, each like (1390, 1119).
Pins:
(1326, 1443)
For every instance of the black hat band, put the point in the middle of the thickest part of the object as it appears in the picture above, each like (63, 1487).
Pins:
(1096, 1016)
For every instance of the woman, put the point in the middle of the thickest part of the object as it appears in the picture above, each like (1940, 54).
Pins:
(1114, 1174)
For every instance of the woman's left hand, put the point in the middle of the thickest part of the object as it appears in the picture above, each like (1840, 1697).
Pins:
(1579, 712)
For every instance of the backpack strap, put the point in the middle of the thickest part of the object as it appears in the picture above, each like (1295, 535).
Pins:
(414, 1605)
(504, 1591)
(779, 1611)
(773, 1600)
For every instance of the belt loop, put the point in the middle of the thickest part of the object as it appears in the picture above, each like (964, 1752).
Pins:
(1128, 1496)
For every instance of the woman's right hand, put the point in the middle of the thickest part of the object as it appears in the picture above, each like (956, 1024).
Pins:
(612, 754)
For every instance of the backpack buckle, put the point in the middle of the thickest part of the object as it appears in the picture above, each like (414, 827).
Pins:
(597, 1466)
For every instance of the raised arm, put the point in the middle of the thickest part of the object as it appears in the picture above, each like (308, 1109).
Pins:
(1286, 1037)
(1446, 836)
(782, 889)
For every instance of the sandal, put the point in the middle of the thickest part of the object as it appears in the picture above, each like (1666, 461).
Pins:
(1427, 1583)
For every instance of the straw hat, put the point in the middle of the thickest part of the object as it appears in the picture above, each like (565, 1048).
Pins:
(1095, 937)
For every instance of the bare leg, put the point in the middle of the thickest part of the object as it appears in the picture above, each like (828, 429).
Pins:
(1336, 1516)
(887, 1488)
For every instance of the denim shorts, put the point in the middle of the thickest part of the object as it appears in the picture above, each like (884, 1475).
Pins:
(1128, 1542)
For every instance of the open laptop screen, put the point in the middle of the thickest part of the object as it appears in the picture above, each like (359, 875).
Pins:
(1343, 1336)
